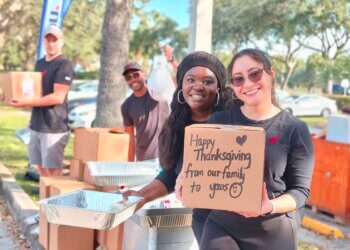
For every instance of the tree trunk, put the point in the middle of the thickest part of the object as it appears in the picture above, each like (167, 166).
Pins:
(113, 56)
(290, 68)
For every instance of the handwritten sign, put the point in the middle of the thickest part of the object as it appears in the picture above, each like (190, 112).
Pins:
(223, 167)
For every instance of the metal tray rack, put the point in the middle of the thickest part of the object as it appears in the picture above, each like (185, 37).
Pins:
(88, 209)
(128, 174)
(155, 215)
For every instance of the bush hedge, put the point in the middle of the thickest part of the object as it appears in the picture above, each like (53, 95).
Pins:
(342, 101)
(86, 75)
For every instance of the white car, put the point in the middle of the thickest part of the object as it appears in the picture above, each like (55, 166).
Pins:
(83, 90)
(82, 116)
(309, 105)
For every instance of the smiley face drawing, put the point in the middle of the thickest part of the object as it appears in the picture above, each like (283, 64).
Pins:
(235, 189)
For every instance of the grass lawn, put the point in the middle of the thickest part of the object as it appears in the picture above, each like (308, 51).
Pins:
(13, 153)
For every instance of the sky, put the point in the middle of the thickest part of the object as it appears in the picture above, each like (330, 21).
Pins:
(178, 10)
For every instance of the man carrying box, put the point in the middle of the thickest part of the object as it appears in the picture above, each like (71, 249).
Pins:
(142, 112)
(49, 118)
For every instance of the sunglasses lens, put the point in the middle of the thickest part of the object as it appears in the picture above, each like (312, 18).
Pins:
(255, 75)
(237, 81)
(136, 75)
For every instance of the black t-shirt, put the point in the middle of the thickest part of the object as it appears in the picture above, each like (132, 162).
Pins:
(147, 115)
(168, 178)
(52, 119)
(289, 154)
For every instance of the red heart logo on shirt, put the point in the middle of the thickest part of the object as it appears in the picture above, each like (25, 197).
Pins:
(274, 139)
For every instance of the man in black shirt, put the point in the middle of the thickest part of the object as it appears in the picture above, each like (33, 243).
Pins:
(144, 113)
(49, 118)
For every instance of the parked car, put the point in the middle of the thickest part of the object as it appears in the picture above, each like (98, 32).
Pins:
(83, 111)
(82, 116)
(83, 90)
(309, 105)
(337, 89)
(81, 101)
(281, 94)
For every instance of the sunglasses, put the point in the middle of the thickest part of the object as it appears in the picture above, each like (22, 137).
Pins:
(254, 76)
(135, 75)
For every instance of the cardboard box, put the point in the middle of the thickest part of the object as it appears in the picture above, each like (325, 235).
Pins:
(46, 182)
(62, 237)
(43, 230)
(21, 85)
(223, 167)
(96, 144)
(48, 187)
(110, 239)
(76, 169)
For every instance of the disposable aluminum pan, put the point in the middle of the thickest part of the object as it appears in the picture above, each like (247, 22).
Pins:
(128, 174)
(88, 209)
(155, 215)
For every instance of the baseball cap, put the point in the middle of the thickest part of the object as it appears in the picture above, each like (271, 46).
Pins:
(132, 65)
(53, 30)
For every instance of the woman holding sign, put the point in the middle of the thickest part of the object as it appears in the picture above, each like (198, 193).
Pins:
(288, 162)
(201, 80)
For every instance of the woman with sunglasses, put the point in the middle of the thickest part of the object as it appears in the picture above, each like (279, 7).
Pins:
(201, 80)
(288, 163)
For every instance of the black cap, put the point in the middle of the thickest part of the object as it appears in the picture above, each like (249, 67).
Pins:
(202, 58)
(132, 65)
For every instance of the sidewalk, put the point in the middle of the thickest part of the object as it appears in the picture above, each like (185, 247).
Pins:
(19, 204)
(8, 229)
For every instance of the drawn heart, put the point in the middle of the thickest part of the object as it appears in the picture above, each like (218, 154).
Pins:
(241, 139)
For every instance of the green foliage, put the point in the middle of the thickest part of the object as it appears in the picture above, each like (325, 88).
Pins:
(86, 75)
(82, 29)
(154, 30)
(19, 24)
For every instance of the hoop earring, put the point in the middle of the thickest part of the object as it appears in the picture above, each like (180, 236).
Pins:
(234, 97)
(178, 97)
(217, 99)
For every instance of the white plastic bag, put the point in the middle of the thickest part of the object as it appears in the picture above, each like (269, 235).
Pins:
(160, 83)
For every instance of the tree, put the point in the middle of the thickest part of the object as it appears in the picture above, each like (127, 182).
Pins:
(153, 30)
(81, 28)
(114, 55)
(19, 24)
(238, 23)
(328, 23)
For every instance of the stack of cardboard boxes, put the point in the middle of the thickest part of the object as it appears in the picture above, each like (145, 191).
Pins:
(90, 144)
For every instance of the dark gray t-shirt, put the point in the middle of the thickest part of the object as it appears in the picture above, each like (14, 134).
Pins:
(52, 119)
(147, 115)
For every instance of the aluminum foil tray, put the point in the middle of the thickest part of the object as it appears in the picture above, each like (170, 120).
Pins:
(88, 209)
(128, 174)
(164, 212)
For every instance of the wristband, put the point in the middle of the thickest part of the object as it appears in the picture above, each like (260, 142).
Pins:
(171, 60)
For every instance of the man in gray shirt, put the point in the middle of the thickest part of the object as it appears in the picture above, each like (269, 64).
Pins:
(143, 113)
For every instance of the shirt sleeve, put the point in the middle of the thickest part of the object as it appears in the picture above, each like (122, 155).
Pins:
(65, 73)
(168, 178)
(300, 165)
(127, 121)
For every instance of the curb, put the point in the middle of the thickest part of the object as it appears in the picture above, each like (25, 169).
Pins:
(322, 228)
(19, 204)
